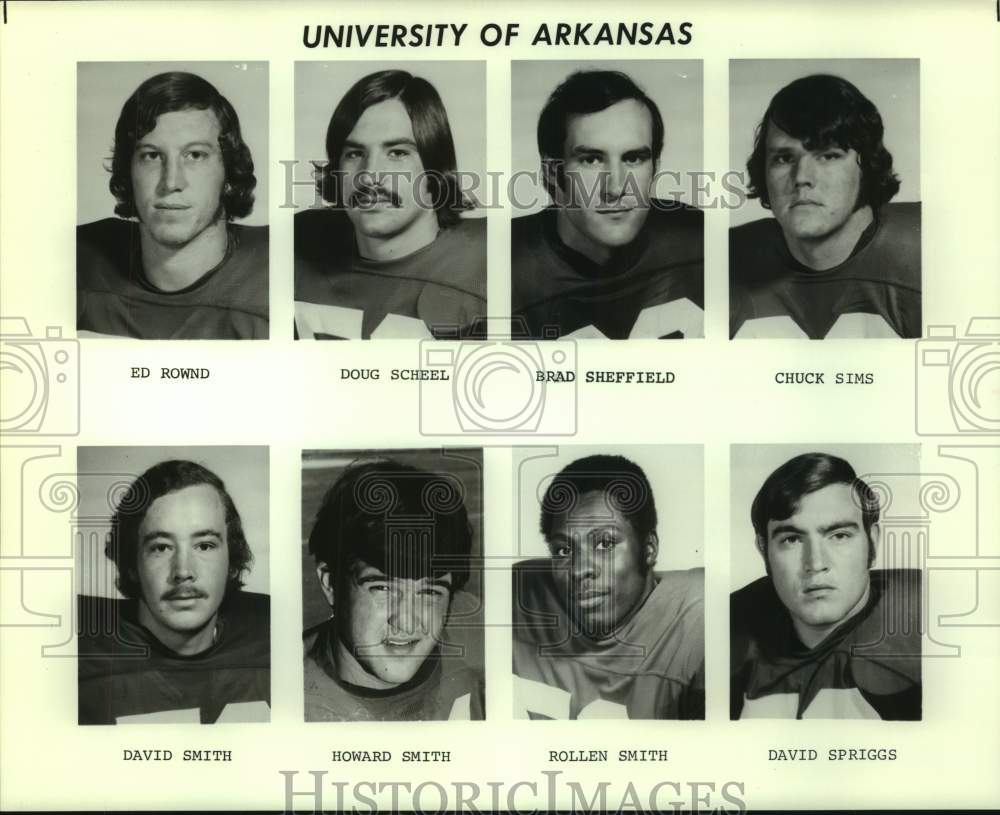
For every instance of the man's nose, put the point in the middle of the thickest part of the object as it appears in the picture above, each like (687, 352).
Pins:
(584, 564)
(403, 613)
(173, 176)
(814, 556)
(805, 171)
(182, 565)
(615, 180)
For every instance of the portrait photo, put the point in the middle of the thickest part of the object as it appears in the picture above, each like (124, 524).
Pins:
(173, 597)
(392, 585)
(172, 231)
(826, 244)
(390, 235)
(825, 614)
(608, 583)
(607, 238)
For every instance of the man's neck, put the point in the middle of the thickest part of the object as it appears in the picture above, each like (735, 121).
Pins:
(171, 268)
(833, 249)
(812, 635)
(578, 242)
(185, 643)
(420, 234)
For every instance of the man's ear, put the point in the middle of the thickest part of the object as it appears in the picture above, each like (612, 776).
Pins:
(761, 545)
(651, 550)
(325, 581)
(875, 536)
(552, 176)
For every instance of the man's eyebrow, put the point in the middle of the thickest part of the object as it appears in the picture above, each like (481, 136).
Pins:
(196, 143)
(384, 143)
(586, 150)
(845, 524)
(156, 533)
(781, 528)
(825, 529)
(438, 581)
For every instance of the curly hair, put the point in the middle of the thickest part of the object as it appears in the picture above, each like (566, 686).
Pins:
(623, 482)
(823, 111)
(167, 93)
(431, 132)
(159, 480)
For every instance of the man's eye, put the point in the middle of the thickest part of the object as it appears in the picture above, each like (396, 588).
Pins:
(157, 548)
(378, 588)
(206, 546)
(431, 594)
(148, 155)
(589, 161)
(351, 155)
(831, 155)
(636, 160)
(788, 540)
(399, 152)
(841, 536)
(605, 543)
(561, 551)
(780, 159)
(197, 155)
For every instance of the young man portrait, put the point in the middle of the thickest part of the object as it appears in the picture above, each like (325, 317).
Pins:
(392, 549)
(599, 632)
(388, 252)
(607, 258)
(173, 264)
(823, 634)
(835, 259)
(185, 643)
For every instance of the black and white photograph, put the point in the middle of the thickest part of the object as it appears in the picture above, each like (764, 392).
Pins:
(172, 235)
(608, 596)
(825, 621)
(390, 241)
(607, 238)
(827, 243)
(392, 585)
(173, 618)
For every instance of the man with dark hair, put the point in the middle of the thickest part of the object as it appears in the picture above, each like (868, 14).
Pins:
(605, 259)
(837, 260)
(822, 635)
(597, 632)
(390, 256)
(173, 265)
(186, 644)
(392, 546)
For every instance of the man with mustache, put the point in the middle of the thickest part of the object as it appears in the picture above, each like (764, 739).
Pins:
(186, 644)
(837, 260)
(173, 265)
(598, 633)
(823, 635)
(606, 259)
(391, 256)
(392, 546)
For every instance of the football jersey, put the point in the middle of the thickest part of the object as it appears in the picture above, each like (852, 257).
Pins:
(127, 676)
(651, 288)
(874, 293)
(114, 298)
(437, 291)
(867, 668)
(445, 687)
(652, 668)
